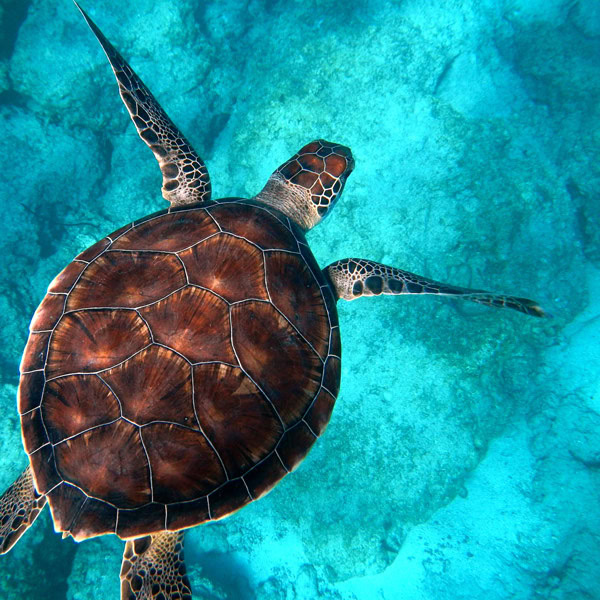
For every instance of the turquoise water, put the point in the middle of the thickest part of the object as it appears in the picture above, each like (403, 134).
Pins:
(462, 457)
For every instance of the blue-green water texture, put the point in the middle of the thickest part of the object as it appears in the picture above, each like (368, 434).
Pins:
(462, 460)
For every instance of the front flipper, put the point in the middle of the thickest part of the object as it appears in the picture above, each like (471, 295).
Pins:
(19, 507)
(355, 277)
(185, 177)
(153, 568)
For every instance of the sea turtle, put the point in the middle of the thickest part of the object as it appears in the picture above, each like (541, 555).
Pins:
(180, 367)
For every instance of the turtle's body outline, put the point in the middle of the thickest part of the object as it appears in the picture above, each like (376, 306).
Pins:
(113, 318)
(74, 304)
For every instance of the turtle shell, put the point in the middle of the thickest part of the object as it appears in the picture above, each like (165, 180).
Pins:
(177, 369)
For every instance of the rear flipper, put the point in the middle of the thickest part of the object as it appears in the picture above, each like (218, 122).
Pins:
(355, 277)
(153, 568)
(19, 507)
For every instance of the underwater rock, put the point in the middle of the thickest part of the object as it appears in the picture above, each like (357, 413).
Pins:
(584, 442)
(4, 83)
(586, 17)
(12, 15)
(95, 571)
(34, 72)
(537, 48)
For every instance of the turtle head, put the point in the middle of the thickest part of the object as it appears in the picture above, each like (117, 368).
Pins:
(306, 186)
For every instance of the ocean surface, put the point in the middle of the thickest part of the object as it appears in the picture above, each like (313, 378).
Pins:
(462, 460)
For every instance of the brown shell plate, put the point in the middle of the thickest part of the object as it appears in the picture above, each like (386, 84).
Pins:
(177, 370)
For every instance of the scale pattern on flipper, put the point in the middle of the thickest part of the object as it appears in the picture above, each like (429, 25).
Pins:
(356, 277)
(185, 177)
(19, 507)
(153, 569)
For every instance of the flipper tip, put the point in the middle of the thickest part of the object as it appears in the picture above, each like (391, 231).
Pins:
(535, 310)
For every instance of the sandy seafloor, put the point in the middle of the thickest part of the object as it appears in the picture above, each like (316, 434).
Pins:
(463, 457)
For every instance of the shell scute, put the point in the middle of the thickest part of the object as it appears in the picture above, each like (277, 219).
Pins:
(229, 498)
(76, 403)
(285, 367)
(265, 475)
(184, 465)
(34, 355)
(31, 389)
(225, 395)
(66, 502)
(294, 443)
(145, 518)
(194, 322)
(108, 463)
(302, 303)
(32, 428)
(228, 266)
(95, 518)
(65, 280)
(48, 313)
(153, 385)
(331, 379)
(192, 513)
(94, 251)
(254, 224)
(43, 465)
(170, 233)
(127, 280)
(317, 416)
(91, 340)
